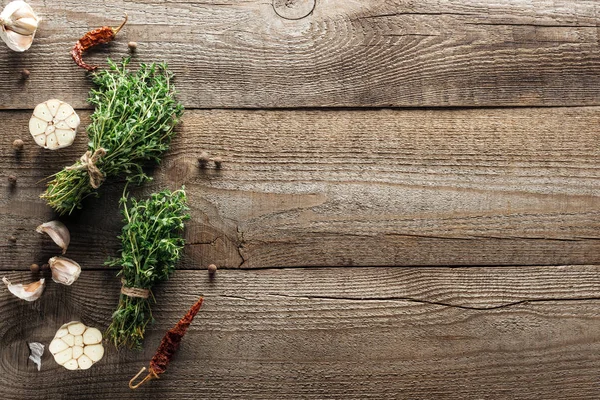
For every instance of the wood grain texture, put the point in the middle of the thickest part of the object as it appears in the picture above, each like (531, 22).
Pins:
(237, 54)
(334, 188)
(354, 333)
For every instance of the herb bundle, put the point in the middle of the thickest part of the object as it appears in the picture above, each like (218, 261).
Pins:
(152, 244)
(132, 124)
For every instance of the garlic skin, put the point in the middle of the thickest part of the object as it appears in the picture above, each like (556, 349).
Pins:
(76, 346)
(54, 124)
(57, 232)
(36, 352)
(30, 292)
(64, 270)
(18, 24)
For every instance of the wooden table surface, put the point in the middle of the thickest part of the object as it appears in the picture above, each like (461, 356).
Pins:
(409, 205)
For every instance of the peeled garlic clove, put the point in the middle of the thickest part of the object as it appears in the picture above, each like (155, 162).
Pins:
(95, 352)
(77, 352)
(63, 356)
(65, 271)
(92, 336)
(18, 25)
(72, 364)
(54, 124)
(84, 362)
(57, 232)
(77, 355)
(69, 339)
(76, 328)
(61, 332)
(30, 292)
(57, 345)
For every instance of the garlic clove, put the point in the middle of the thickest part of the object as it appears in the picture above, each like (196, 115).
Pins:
(54, 124)
(23, 26)
(15, 41)
(53, 105)
(40, 140)
(92, 336)
(42, 111)
(95, 352)
(62, 125)
(20, 9)
(72, 364)
(65, 271)
(69, 340)
(61, 332)
(77, 355)
(64, 111)
(85, 362)
(64, 137)
(63, 356)
(52, 142)
(57, 232)
(30, 292)
(73, 120)
(57, 345)
(37, 126)
(76, 328)
(77, 352)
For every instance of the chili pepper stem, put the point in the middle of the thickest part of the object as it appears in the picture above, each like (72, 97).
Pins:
(116, 30)
(151, 375)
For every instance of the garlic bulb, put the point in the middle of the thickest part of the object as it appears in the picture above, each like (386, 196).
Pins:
(64, 270)
(75, 346)
(57, 232)
(30, 292)
(18, 24)
(54, 124)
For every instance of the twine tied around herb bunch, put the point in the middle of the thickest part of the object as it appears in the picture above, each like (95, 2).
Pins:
(88, 162)
(134, 292)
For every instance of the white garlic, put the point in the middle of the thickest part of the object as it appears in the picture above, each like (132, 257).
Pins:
(64, 270)
(18, 24)
(57, 232)
(54, 124)
(86, 350)
(30, 292)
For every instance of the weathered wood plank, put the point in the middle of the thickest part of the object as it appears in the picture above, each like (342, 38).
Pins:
(330, 188)
(353, 333)
(238, 54)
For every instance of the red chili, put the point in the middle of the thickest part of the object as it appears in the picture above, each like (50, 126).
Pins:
(168, 346)
(93, 38)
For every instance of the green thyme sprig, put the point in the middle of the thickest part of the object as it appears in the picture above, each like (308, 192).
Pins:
(135, 114)
(152, 244)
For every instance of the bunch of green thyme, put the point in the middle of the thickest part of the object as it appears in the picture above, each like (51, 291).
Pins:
(135, 114)
(152, 244)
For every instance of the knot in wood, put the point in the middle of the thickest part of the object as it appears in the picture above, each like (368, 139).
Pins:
(294, 9)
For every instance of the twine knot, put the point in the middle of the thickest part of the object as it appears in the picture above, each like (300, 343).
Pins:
(88, 162)
(134, 292)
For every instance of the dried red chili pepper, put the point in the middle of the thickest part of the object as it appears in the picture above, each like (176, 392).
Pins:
(91, 39)
(168, 346)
